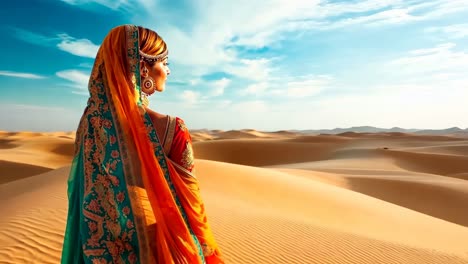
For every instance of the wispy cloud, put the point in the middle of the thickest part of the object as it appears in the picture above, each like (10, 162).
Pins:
(63, 41)
(21, 75)
(190, 97)
(255, 25)
(218, 86)
(112, 4)
(255, 89)
(308, 86)
(296, 87)
(452, 31)
(35, 107)
(78, 47)
(439, 58)
(239, 39)
(77, 79)
(252, 69)
(33, 37)
(255, 106)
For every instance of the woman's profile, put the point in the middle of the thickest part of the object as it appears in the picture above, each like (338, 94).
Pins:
(133, 195)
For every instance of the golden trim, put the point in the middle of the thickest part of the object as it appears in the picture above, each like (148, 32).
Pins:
(170, 135)
(184, 170)
(187, 156)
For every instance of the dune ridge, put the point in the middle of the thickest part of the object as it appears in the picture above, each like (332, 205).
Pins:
(273, 197)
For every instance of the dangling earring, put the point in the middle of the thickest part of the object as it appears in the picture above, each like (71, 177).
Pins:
(148, 83)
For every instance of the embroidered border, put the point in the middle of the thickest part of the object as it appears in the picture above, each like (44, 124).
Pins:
(131, 174)
(170, 135)
(108, 229)
(184, 170)
(160, 155)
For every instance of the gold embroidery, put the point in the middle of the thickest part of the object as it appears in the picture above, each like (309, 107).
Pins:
(207, 250)
(169, 137)
(187, 156)
(182, 125)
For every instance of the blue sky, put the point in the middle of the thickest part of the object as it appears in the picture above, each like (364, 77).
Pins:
(266, 65)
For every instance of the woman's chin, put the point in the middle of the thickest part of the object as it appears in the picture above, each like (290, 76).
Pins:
(161, 88)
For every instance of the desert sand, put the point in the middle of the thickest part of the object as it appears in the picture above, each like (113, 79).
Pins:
(273, 197)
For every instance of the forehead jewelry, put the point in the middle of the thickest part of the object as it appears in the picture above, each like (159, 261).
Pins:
(151, 58)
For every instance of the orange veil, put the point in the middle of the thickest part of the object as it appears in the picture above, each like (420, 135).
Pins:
(117, 153)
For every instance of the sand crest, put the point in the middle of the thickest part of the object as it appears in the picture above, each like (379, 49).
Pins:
(274, 198)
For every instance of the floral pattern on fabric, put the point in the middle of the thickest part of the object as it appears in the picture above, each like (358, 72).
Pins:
(187, 156)
(100, 219)
(182, 151)
(109, 229)
(181, 124)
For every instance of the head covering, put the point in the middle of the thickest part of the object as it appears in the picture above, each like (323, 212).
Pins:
(118, 154)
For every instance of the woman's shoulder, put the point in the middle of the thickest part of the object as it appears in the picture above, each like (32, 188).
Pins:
(181, 151)
(181, 126)
(155, 115)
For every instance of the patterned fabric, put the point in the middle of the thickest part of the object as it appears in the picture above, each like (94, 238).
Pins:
(182, 151)
(182, 156)
(117, 154)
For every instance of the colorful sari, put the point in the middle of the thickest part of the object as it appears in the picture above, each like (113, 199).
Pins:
(129, 201)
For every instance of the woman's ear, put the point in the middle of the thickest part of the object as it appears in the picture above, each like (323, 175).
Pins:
(143, 69)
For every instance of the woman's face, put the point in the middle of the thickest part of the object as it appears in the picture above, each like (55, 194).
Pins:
(159, 72)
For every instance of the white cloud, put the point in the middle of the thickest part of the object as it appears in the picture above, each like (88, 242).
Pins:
(252, 69)
(223, 104)
(78, 47)
(455, 31)
(297, 87)
(309, 87)
(421, 104)
(440, 58)
(21, 75)
(209, 43)
(438, 8)
(255, 106)
(65, 42)
(32, 37)
(255, 24)
(112, 4)
(78, 79)
(406, 11)
(392, 16)
(190, 97)
(218, 86)
(255, 89)
(323, 16)
(194, 81)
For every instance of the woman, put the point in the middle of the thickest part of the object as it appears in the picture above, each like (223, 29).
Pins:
(133, 197)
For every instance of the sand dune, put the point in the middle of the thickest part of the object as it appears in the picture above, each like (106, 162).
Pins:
(200, 136)
(47, 150)
(11, 171)
(263, 152)
(274, 198)
(443, 164)
(434, 195)
(234, 134)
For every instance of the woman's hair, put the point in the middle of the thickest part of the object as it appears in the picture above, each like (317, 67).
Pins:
(150, 42)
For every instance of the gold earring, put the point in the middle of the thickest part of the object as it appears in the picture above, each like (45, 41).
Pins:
(148, 83)
(144, 100)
